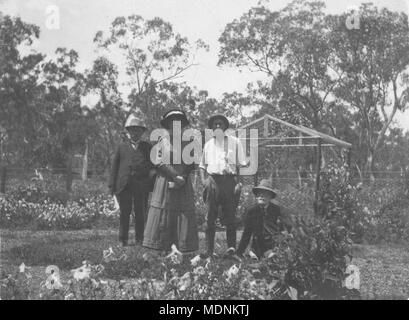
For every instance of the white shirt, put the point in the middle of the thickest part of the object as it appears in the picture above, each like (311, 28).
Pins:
(223, 156)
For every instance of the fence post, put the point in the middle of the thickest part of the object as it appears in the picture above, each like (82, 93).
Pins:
(3, 178)
(69, 178)
(317, 179)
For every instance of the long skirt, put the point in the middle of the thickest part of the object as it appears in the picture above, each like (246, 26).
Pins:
(171, 218)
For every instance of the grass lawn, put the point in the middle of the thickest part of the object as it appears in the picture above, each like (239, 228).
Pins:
(384, 270)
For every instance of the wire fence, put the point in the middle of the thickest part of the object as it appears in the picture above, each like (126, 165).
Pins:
(296, 192)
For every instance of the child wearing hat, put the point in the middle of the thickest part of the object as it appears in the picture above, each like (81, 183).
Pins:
(263, 221)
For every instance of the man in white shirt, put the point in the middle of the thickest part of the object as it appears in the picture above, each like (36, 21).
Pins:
(222, 157)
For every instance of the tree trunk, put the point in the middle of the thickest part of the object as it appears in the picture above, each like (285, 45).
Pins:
(370, 165)
(69, 178)
(3, 178)
(84, 174)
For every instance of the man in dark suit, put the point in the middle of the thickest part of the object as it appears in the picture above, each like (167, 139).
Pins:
(131, 179)
(263, 221)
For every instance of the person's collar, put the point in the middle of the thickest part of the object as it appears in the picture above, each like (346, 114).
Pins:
(135, 143)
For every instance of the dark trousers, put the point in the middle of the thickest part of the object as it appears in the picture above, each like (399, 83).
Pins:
(261, 244)
(221, 193)
(134, 194)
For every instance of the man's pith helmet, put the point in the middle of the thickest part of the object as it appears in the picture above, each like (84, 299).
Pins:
(133, 121)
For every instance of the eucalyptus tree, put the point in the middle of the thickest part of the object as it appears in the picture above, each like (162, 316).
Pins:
(151, 52)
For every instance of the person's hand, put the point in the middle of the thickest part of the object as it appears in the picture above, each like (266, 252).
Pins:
(207, 183)
(237, 189)
(237, 257)
(180, 181)
(152, 173)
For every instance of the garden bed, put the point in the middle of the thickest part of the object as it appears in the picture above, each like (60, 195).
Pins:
(384, 269)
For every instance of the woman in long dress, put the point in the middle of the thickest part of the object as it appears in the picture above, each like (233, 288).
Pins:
(171, 214)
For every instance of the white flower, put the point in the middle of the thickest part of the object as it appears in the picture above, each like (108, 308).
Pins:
(97, 269)
(253, 255)
(69, 296)
(208, 261)
(233, 271)
(175, 259)
(22, 268)
(184, 281)
(108, 255)
(81, 273)
(292, 293)
(195, 261)
(175, 255)
(52, 270)
(53, 282)
(199, 271)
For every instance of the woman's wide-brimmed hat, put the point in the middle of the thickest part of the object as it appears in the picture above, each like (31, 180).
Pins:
(174, 114)
(266, 185)
(215, 117)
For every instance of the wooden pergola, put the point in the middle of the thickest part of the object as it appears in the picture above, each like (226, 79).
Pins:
(295, 136)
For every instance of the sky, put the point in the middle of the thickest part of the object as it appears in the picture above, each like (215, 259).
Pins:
(195, 19)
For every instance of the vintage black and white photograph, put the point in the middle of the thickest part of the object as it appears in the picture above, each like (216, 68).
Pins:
(211, 150)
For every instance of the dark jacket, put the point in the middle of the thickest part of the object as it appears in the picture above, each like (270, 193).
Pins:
(263, 226)
(129, 162)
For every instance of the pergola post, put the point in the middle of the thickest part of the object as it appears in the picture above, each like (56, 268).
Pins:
(265, 127)
(317, 179)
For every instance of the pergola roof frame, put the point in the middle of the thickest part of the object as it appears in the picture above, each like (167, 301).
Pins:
(307, 131)
(320, 137)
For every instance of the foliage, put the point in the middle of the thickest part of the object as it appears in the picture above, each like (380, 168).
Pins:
(338, 200)
(322, 74)
(33, 206)
(154, 55)
(390, 222)
(20, 117)
(14, 286)
(309, 263)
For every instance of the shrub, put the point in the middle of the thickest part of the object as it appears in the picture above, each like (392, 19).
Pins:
(14, 286)
(32, 192)
(390, 223)
(51, 215)
(338, 201)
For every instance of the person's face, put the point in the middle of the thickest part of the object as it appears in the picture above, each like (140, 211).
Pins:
(219, 124)
(136, 132)
(263, 197)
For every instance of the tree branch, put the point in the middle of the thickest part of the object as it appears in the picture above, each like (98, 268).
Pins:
(178, 72)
